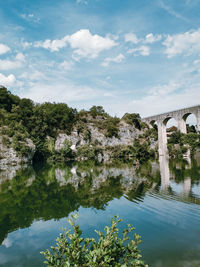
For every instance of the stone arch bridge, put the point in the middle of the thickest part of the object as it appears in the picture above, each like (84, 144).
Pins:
(180, 116)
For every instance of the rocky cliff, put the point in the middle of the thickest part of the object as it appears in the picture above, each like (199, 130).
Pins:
(90, 138)
(126, 135)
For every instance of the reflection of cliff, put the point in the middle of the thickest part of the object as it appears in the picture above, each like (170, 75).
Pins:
(54, 191)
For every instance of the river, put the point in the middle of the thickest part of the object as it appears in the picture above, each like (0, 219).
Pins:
(160, 199)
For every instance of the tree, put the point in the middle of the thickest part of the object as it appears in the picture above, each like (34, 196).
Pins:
(97, 111)
(133, 119)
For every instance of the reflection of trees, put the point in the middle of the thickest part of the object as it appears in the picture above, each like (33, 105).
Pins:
(54, 192)
(180, 171)
(47, 192)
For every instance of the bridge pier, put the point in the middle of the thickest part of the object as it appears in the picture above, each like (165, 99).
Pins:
(164, 172)
(181, 125)
(198, 120)
(162, 139)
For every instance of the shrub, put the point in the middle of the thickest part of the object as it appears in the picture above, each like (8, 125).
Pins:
(175, 137)
(88, 152)
(133, 119)
(5, 141)
(111, 126)
(191, 139)
(97, 111)
(108, 250)
(142, 151)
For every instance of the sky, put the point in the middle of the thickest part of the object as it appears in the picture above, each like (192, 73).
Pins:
(133, 56)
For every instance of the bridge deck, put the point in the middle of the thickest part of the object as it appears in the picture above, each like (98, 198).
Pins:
(173, 112)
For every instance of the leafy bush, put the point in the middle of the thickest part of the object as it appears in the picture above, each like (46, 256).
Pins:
(133, 119)
(111, 126)
(108, 250)
(142, 151)
(97, 111)
(5, 141)
(88, 152)
(175, 137)
(122, 152)
(192, 140)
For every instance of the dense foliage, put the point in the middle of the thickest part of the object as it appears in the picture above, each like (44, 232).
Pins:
(108, 250)
(25, 119)
(179, 143)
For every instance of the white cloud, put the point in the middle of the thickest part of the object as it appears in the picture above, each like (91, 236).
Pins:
(166, 100)
(165, 89)
(8, 64)
(30, 17)
(15, 64)
(186, 43)
(26, 44)
(4, 49)
(7, 80)
(87, 45)
(131, 37)
(116, 59)
(66, 65)
(197, 61)
(33, 75)
(65, 92)
(54, 45)
(142, 50)
(83, 42)
(20, 57)
(150, 38)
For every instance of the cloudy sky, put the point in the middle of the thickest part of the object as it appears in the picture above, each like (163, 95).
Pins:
(128, 56)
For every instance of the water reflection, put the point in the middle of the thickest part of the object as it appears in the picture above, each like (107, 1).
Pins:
(178, 178)
(53, 192)
(164, 172)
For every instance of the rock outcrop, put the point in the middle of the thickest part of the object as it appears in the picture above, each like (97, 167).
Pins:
(127, 133)
(9, 156)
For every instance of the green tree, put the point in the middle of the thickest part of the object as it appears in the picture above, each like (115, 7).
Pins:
(97, 111)
(133, 119)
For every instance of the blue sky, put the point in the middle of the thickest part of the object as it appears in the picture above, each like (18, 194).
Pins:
(128, 56)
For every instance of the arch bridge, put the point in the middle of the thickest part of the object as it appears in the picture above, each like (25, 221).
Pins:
(180, 116)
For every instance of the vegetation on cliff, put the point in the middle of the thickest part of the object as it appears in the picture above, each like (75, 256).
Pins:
(22, 119)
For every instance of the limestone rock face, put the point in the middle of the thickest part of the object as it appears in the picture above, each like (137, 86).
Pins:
(8, 156)
(74, 138)
(127, 134)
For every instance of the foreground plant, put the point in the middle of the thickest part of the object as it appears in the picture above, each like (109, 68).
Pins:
(108, 250)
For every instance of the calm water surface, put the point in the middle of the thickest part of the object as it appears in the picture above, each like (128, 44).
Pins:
(161, 200)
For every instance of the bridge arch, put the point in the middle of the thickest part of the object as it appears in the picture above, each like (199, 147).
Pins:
(180, 116)
(193, 117)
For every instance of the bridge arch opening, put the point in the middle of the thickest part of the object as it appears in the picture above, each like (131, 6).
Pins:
(191, 122)
(154, 124)
(171, 127)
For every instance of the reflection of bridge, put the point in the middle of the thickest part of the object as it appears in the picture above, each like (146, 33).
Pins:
(186, 193)
(180, 116)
